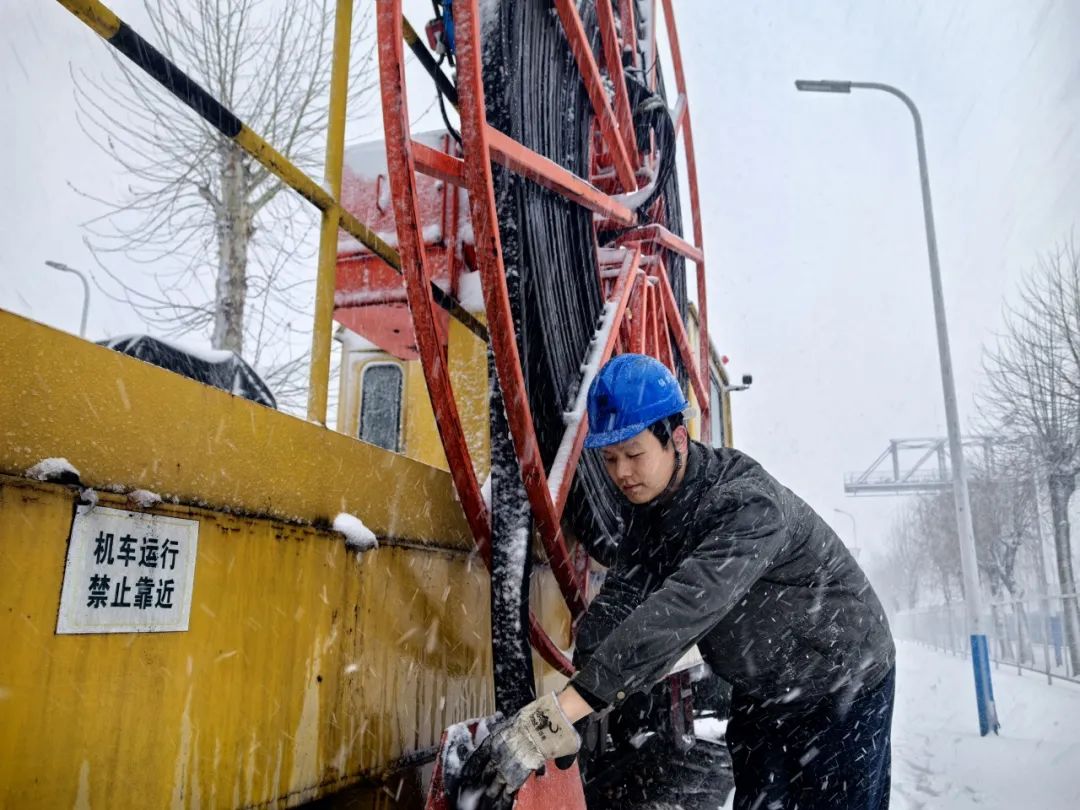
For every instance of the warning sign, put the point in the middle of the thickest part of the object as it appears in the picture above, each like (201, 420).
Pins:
(128, 572)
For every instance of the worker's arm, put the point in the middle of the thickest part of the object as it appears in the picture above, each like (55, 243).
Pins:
(611, 607)
(744, 534)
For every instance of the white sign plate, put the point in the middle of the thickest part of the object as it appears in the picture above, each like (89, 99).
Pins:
(128, 572)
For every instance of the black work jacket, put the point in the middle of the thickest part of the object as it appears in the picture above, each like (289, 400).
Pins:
(739, 565)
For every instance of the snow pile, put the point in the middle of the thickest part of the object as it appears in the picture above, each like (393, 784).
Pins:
(143, 498)
(458, 744)
(485, 492)
(939, 759)
(53, 469)
(357, 535)
(470, 291)
(711, 729)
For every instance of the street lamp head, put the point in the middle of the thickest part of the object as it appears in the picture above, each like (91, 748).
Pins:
(822, 86)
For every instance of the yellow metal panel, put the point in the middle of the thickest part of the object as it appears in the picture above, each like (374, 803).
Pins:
(124, 422)
(420, 434)
(469, 373)
(469, 377)
(304, 667)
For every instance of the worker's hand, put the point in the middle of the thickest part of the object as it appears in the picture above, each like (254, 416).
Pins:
(499, 766)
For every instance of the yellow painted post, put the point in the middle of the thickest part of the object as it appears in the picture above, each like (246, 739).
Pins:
(325, 281)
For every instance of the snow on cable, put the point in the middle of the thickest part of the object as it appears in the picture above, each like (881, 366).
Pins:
(572, 418)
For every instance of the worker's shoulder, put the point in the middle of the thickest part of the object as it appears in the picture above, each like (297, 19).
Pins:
(735, 480)
(733, 469)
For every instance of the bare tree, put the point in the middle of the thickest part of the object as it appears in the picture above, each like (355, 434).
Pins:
(934, 526)
(1033, 392)
(900, 574)
(222, 251)
(1004, 512)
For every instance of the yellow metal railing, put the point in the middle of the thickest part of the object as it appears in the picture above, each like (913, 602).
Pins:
(331, 217)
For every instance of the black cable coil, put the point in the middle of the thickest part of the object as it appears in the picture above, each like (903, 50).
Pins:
(534, 93)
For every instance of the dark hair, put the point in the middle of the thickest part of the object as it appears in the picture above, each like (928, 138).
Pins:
(663, 428)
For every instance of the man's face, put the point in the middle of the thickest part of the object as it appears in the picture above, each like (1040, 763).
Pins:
(640, 467)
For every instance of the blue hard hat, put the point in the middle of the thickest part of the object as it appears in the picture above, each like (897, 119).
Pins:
(630, 393)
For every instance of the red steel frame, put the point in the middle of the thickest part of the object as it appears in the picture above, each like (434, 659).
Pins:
(646, 315)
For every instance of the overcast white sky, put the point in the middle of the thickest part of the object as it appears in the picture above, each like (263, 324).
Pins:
(813, 223)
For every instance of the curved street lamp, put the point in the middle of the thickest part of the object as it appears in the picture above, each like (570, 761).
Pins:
(86, 291)
(980, 652)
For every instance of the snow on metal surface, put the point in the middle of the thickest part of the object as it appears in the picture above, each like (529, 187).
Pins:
(143, 498)
(357, 535)
(51, 469)
(200, 352)
(573, 417)
(470, 293)
(366, 161)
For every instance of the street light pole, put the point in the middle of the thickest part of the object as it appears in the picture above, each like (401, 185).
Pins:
(854, 534)
(86, 291)
(980, 654)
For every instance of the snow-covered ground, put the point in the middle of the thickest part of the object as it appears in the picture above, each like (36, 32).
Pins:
(939, 760)
(941, 763)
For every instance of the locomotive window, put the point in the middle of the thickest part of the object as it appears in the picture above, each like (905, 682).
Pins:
(380, 405)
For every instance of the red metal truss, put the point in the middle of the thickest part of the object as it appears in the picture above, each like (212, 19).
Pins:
(664, 332)
(402, 170)
(485, 223)
(678, 114)
(594, 86)
(641, 313)
(695, 208)
(613, 61)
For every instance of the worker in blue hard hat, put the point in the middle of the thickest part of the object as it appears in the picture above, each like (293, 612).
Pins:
(715, 552)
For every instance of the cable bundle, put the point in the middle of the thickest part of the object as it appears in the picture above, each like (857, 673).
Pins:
(534, 93)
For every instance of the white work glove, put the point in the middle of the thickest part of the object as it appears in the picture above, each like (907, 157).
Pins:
(499, 766)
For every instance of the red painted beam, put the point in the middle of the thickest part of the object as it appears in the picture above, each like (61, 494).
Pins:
(401, 171)
(613, 59)
(678, 115)
(664, 353)
(436, 163)
(662, 236)
(638, 300)
(682, 340)
(629, 28)
(549, 174)
(652, 306)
